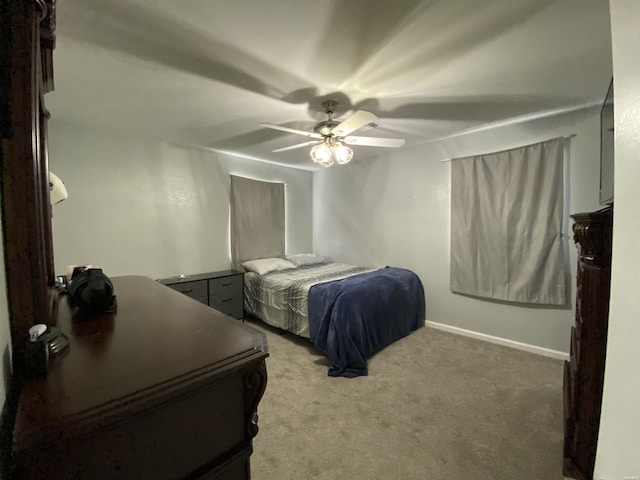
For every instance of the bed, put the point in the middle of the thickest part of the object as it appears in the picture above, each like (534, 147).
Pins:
(348, 312)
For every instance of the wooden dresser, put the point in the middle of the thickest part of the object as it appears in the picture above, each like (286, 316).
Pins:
(165, 388)
(584, 372)
(223, 290)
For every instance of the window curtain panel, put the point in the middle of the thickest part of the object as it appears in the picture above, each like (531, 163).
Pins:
(257, 219)
(506, 225)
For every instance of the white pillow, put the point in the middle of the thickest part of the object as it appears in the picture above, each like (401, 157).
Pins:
(266, 265)
(301, 259)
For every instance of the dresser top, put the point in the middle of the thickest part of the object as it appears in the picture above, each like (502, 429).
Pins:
(198, 276)
(158, 344)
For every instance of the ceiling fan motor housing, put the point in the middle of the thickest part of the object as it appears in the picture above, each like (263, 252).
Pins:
(325, 128)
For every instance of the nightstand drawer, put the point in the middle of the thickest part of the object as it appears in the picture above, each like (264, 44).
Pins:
(226, 286)
(223, 290)
(197, 290)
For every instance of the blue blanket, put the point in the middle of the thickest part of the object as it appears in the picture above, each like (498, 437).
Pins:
(353, 318)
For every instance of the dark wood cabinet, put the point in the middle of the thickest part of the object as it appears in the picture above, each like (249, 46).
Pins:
(164, 388)
(222, 290)
(584, 372)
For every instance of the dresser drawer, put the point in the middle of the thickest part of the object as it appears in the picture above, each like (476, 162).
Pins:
(226, 295)
(223, 290)
(231, 306)
(196, 290)
(226, 286)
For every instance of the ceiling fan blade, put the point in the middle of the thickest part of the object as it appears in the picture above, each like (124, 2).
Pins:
(299, 145)
(354, 122)
(292, 130)
(374, 141)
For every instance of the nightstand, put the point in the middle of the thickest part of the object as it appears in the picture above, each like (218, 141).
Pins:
(222, 290)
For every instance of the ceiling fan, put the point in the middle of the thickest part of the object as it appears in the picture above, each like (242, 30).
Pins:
(332, 137)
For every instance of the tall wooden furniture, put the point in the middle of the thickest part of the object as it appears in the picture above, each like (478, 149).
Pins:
(164, 388)
(223, 290)
(584, 373)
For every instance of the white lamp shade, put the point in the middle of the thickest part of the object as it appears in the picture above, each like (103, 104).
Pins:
(57, 190)
(331, 151)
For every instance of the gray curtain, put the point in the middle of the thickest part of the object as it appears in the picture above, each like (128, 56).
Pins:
(257, 219)
(506, 224)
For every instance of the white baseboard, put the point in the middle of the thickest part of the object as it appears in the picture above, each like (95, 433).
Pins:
(547, 352)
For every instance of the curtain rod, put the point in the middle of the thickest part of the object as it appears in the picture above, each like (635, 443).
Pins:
(565, 137)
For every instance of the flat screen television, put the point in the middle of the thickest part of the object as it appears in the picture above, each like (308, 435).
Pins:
(606, 149)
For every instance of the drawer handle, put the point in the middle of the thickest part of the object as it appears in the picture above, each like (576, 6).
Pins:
(227, 284)
(225, 300)
(187, 291)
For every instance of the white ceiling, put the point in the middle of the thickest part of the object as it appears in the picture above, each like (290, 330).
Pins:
(207, 73)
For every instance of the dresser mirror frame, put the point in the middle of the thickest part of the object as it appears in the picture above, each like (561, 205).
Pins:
(28, 41)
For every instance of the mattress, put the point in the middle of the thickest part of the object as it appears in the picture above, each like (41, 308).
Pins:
(281, 298)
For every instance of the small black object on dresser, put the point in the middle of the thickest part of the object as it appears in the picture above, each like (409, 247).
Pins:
(222, 290)
(584, 372)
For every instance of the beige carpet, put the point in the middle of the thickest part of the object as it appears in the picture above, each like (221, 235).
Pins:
(435, 406)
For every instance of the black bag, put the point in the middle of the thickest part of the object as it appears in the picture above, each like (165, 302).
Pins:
(92, 291)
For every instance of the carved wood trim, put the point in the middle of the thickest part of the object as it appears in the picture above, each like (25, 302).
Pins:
(44, 188)
(47, 44)
(593, 236)
(255, 383)
(48, 25)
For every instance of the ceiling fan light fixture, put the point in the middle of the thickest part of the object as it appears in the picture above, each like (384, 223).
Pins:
(343, 153)
(321, 154)
(332, 137)
(331, 151)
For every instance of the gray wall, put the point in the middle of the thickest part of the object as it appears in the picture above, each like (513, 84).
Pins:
(139, 207)
(619, 437)
(394, 210)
